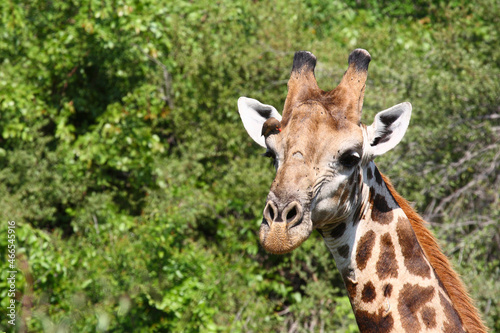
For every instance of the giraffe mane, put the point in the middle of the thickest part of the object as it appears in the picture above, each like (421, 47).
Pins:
(457, 291)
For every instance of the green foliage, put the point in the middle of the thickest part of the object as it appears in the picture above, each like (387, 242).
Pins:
(138, 196)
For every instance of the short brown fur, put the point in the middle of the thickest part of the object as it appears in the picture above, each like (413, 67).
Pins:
(454, 286)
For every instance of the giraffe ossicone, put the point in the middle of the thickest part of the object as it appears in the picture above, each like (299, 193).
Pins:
(396, 277)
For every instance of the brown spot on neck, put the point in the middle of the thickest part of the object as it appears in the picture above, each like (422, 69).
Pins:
(429, 317)
(365, 249)
(387, 266)
(338, 231)
(453, 322)
(369, 173)
(411, 298)
(368, 294)
(343, 251)
(349, 280)
(381, 212)
(378, 176)
(414, 258)
(374, 322)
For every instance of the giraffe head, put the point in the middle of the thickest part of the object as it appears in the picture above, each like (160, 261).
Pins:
(320, 149)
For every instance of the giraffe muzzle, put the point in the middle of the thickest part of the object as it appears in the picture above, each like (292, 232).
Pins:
(284, 227)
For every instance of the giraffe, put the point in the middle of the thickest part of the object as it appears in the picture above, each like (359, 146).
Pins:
(396, 276)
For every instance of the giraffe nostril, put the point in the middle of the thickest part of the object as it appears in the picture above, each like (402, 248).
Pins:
(292, 213)
(270, 212)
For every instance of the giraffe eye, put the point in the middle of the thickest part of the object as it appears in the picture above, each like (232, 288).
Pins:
(350, 159)
(271, 154)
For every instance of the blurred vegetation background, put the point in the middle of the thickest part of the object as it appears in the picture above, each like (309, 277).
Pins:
(138, 195)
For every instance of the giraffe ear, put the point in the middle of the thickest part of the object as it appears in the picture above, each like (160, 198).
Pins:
(388, 129)
(254, 114)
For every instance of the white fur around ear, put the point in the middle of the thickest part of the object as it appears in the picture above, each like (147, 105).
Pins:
(254, 114)
(388, 129)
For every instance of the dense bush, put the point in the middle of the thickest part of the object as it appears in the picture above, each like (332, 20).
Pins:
(138, 196)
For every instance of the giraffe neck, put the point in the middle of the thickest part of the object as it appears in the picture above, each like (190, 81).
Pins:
(390, 282)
